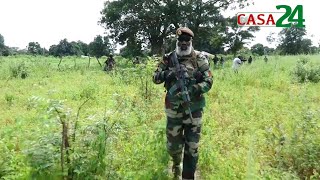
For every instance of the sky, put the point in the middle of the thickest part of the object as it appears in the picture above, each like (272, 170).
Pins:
(49, 21)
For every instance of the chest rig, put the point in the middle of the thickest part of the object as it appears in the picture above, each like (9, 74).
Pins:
(190, 62)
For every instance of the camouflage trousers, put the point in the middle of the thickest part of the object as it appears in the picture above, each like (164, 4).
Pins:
(183, 136)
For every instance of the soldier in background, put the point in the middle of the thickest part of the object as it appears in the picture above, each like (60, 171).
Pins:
(183, 130)
(109, 63)
(236, 64)
(222, 62)
(265, 59)
(215, 61)
(136, 60)
(250, 60)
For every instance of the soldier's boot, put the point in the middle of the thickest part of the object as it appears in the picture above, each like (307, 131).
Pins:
(188, 176)
(176, 170)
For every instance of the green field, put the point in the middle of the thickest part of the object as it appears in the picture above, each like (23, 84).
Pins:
(258, 124)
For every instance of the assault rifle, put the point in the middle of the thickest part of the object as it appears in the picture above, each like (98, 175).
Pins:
(182, 75)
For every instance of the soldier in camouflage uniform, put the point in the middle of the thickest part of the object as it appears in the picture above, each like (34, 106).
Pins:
(109, 63)
(183, 130)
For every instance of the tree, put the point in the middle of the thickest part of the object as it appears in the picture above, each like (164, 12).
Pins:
(34, 48)
(170, 43)
(132, 49)
(64, 48)
(1, 41)
(217, 42)
(4, 50)
(152, 21)
(207, 23)
(53, 50)
(237, 36)
(292, 41)
(99, 47)
(258, 49)
(45, 51)
(306, 46)
(75, 48)
(270, 38)
(83, 47)
(269, 50)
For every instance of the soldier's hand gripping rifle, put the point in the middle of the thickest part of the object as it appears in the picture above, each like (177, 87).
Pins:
(182, 75)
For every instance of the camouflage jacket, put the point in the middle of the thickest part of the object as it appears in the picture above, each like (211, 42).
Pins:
(199, 76)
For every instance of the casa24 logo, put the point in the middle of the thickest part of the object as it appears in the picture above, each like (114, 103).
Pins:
(273, 19)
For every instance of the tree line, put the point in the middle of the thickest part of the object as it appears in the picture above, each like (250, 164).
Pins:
(99, 47)
(292, 41)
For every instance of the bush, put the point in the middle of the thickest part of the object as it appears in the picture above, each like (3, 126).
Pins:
(306, 71)
(302, 153)
(9, 99)
(19, 71)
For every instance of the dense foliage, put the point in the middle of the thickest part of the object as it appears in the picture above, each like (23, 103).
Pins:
(4, 50)
(99, 47)
(293, 41)
(153, 21)
(34, 48)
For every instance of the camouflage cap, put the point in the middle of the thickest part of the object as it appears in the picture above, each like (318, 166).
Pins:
(184, 30)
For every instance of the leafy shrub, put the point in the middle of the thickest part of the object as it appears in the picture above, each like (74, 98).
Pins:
(43, 156)
(5, 158)
(306, 72)
(297, 151)
(303, 150)
(9, 99)
(19, 71)
(88, 92)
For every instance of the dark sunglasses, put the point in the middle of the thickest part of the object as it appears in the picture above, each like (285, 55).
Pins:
(184, 38)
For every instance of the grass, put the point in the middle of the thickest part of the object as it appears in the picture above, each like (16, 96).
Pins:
(258, 124)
